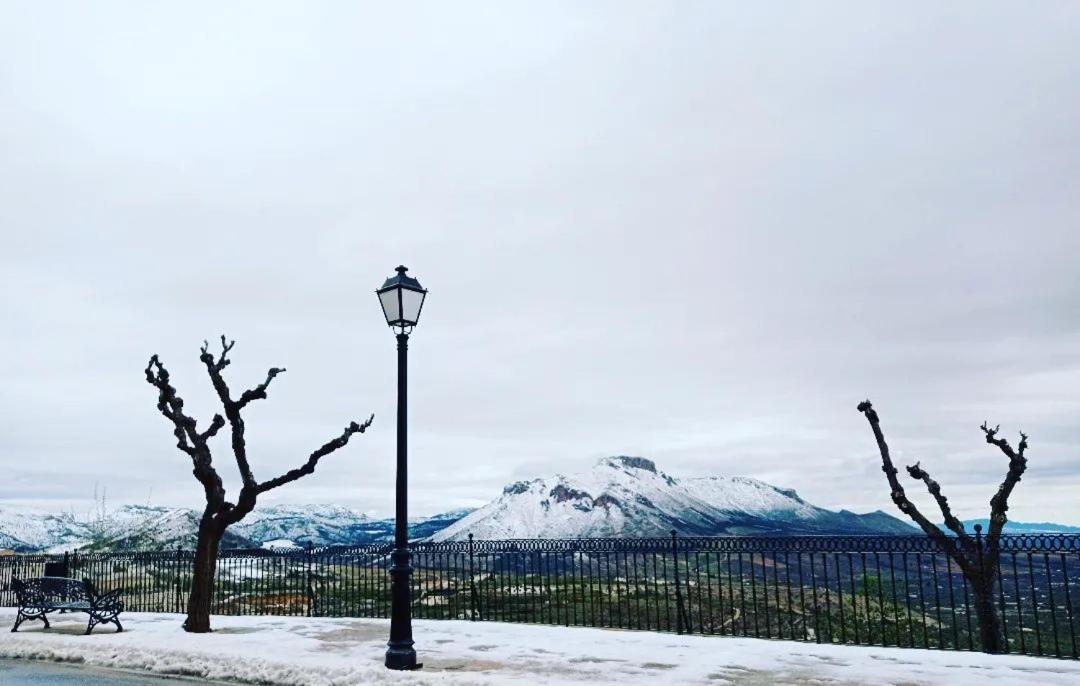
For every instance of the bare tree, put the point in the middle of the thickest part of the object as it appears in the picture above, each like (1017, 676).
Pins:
(220, 513)
(977, 558)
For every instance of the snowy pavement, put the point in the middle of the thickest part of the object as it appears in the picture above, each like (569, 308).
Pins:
(301, 651)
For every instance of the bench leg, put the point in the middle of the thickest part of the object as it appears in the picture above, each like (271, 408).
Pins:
(90, 626)
(94, 621)
(22, 617)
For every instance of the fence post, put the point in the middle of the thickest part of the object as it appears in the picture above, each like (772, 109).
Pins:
(179, 584)
(310, 579)
(985, 595)
(472, 583)
(978, 543)
(678, 585)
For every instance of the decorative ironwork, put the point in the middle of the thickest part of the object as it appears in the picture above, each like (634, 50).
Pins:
(868, 590)
(38, 597)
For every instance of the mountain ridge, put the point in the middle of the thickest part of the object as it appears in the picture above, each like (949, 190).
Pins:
(1012, 527)
(158, 527)
(628, 496)
(619, 496)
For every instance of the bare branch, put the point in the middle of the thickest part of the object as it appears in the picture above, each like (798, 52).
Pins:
(172, 406)
(309, 466)
(232, 407)
(216, 425)
(1001, 443)
(259, 392)
(222, 361)
(999, 504)
(951, 520)
(244, 505)
(898, 495)
(188, 438)
(214, 368)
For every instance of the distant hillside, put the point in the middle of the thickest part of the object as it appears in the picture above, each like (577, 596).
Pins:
(142, 527)
(1024, 527)
(618, 497)
(629, 497)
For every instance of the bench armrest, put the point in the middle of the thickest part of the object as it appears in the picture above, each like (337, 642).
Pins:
(110, 600)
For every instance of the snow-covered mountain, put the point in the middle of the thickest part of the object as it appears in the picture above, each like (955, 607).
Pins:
(131, 527)
(145, 527)
(629, 497)
(27, 529)
(315, 524)
(331, 525)
(618, 497)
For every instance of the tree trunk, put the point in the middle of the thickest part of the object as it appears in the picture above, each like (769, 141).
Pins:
(202, 580)
(991, 635)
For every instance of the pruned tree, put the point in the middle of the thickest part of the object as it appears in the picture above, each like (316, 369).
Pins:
(220, 513)
(977, 557)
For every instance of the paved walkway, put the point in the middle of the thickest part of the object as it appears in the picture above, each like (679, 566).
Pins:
(24, 673)
(311, 651)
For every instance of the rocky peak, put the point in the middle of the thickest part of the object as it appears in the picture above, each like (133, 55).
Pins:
(562, 493)
(632, 462)
(517, 487)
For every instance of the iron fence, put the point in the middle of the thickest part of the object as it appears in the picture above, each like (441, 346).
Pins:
(885, 591)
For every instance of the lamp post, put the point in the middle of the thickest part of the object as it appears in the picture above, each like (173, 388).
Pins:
(401, 297)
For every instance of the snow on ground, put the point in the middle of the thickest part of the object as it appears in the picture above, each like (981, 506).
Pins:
(335, 652)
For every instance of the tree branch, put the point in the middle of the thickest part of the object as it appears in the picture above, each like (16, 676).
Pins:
(216, 425)
(259, 392)
(188, 438)
(194, 443)
(214, 368)
(999, 504)
(244, 505)
(951, 520)
(898, 495)
(172, 406)
(222, 362)
(309, 466)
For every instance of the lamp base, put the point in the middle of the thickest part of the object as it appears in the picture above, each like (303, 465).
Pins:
(402, 658)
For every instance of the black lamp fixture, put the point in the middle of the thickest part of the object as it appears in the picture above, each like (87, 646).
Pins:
(402, 298)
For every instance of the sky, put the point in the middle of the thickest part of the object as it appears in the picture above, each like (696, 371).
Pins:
(699, 232)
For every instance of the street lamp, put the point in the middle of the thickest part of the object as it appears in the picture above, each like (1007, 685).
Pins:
(401, 298)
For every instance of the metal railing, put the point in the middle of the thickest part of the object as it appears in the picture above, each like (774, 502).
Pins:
(886, 591)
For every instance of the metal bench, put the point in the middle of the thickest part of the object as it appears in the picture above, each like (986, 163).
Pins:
(38, 597)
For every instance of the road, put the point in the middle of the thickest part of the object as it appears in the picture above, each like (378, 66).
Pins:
(22, 673)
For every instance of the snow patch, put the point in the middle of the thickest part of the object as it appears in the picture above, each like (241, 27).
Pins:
(297, 651)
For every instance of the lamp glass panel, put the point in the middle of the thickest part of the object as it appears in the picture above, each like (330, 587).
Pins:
(410, 304)
(389, 300)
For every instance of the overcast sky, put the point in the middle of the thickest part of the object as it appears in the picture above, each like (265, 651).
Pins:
(696, 232)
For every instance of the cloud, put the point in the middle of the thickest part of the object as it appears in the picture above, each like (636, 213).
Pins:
(696, 232)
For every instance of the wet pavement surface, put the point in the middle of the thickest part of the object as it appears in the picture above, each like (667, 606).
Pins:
(24, 673)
